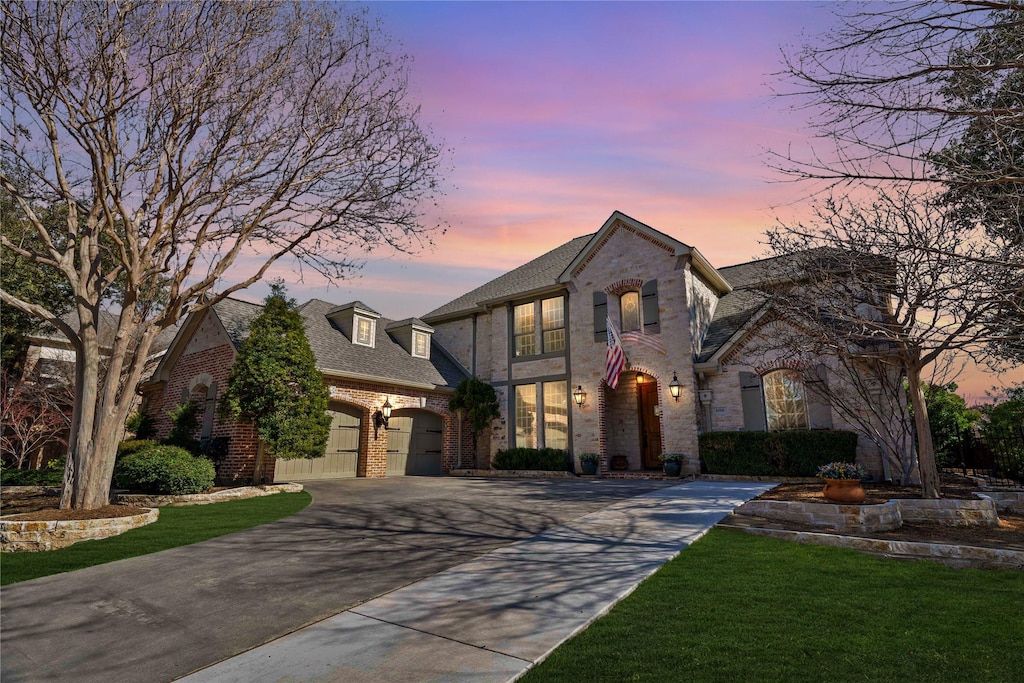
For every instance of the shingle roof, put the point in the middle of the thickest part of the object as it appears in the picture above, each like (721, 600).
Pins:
(386, 361)
(541, 272)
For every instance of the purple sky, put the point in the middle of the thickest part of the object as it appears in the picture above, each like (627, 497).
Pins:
(557, 114)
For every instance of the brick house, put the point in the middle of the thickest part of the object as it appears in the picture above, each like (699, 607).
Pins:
(538, 334)
(367, 362)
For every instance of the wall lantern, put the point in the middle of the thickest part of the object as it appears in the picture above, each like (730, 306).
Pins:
(579, 396)
(674, 387)
(381, 417)
(639, 378)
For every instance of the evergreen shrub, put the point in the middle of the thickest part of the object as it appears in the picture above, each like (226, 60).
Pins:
(796, 453)
(545, 459)
(164, 470)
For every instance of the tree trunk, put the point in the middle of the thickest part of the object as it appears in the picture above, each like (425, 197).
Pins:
(925, 448)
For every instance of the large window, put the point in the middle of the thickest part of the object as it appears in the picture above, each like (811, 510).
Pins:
(525, 330)
(526, 416)
(539, 327)
(785, 401)
(556, 415)
(553, 432)
(630, 304)
(553, 324)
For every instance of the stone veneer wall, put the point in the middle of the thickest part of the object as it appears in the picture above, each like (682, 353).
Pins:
(49, 535)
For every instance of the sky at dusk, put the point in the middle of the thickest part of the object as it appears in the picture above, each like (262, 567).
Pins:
(558, 114)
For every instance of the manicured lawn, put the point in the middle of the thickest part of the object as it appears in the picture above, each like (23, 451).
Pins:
(175, 527)
(735, 607)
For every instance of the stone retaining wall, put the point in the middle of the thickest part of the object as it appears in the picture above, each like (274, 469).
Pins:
(42, 535)
(144, 500)
(1009, 501)
(883, 517)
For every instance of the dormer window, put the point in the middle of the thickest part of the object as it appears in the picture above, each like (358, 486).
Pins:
(420, 344)
(364, 332)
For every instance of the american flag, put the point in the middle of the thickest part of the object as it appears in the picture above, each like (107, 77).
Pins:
(614, 358)
(649, 340)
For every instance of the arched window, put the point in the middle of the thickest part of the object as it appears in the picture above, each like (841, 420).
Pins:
(630, 304)
(785, 401)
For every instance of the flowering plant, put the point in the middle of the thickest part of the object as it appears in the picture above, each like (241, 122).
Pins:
(671, 457)
(589, 457)
(842, 470)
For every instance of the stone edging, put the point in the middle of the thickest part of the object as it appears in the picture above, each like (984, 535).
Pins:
(31, 535)
(958, 556)
(146, 500)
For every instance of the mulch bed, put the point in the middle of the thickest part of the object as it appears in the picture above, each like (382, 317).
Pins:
(42, 507)
(54, 515)
(1009, 533)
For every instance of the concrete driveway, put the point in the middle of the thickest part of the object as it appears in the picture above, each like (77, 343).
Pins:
(159, 617)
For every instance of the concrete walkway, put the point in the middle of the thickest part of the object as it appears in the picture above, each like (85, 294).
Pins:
(492, 618)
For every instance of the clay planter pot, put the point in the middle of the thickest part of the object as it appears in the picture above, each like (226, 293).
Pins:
(844, 490)
(672, 468)
(589, 467)
(619, 462)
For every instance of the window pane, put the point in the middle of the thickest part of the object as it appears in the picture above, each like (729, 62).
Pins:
(364, 331)
(526, 416)
(419, 345)
(556, 415)
(784, 401)
(524, 318)
(630, 311)
(553, 324)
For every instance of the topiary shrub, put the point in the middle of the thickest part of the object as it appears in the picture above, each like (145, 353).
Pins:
(796, 453)
(545, 459)
(164, 470)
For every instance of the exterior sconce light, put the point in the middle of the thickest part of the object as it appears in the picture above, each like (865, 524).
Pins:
(639, 378)
(381, 417)
(579, 396)
(674, 387)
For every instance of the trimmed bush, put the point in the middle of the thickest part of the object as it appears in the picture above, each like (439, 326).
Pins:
(164, 470)
(796, 453)
(52, 474)
(546, 459)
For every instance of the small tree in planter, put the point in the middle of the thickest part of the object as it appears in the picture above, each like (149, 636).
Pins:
(476, 400)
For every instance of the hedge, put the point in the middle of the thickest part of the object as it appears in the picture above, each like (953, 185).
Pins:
(52, 474)
(164, 469)
(546, 459)
(775, 454)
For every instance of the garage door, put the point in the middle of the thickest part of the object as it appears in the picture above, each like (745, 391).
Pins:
(414, 443)
(342, 454)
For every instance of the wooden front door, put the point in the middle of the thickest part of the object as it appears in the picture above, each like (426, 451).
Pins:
(650, 425)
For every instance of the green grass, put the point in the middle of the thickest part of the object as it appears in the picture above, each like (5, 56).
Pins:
(735, 607)
(177, 526)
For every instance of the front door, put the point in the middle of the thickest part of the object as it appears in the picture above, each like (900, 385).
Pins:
(650, 425)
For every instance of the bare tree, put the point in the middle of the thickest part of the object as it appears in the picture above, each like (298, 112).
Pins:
(32, 417)
(192, 142)
(891, 289)
(892, 85)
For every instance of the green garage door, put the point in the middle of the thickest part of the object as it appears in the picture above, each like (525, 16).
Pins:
(342, 454)
(414, 443)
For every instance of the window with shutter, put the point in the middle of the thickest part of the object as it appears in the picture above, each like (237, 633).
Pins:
(649, 294)
(600, 317)
(753, 402)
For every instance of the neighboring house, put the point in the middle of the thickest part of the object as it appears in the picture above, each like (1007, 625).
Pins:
(367, 362)
(538, 334)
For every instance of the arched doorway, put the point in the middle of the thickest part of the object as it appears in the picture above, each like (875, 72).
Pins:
(415, 443)
(632, 424)
(650, 421)
(341, 457)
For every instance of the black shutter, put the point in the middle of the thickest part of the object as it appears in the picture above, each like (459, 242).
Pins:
(752, 397)
(600, 317)
(649, 293)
